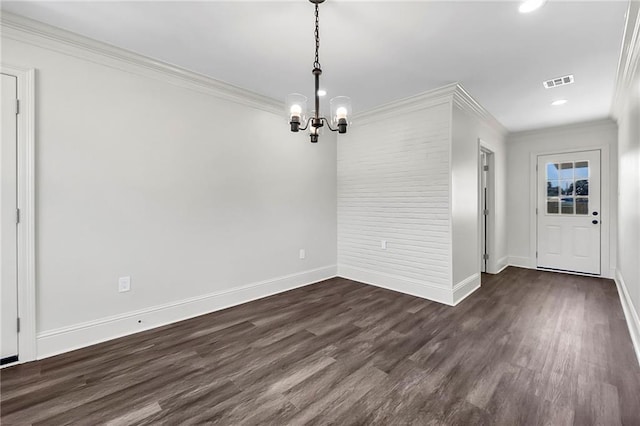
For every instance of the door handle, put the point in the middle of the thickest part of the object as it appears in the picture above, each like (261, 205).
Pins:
(595, 222)
(595, 213)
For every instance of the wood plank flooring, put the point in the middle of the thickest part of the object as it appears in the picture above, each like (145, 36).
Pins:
(529, 347)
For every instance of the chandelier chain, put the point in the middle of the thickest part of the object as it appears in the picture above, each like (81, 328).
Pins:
(316, 63)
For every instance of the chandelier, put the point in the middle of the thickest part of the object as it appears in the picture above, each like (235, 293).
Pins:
(296, 103)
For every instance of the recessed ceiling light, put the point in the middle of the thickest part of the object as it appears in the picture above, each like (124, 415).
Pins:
(322, 92)
(559, 102)
(531, 5)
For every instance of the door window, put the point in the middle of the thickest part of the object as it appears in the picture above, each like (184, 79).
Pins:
(568, 188)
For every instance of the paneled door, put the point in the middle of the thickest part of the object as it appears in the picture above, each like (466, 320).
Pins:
(568, 212)
(8, 222)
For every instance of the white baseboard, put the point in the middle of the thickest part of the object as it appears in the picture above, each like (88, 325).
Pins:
(505, 266)
(465, 287)
(521, 262)
(77, 336)
(630, 313)
(502, 264)
(403, 285)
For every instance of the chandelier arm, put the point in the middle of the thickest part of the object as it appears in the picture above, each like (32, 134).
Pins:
(306, 125)
(328, 125)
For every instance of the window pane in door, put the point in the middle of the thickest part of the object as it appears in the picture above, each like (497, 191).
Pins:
(582, 169)
(566, 171)
(582, 206)
(566, 205)
(552, 206)
(582, 187)
(553, 188)
(552, 171)
(566, 187)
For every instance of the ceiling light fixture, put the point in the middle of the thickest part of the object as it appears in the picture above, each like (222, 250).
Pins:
(531, 5)
(297, 103)
(559, 102)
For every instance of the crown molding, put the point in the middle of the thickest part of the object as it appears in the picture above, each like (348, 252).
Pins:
(467, 103)
(583, 126)
(42, 35)
(629, 58)
(453, 93)
(441, 95)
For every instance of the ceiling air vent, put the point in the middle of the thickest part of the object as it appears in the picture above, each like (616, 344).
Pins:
(560, 81)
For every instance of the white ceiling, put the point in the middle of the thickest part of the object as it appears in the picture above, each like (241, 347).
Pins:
(376, 51)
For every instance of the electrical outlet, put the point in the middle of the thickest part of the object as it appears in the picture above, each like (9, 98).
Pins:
(383, 244)
(303, 254)
(124, 284)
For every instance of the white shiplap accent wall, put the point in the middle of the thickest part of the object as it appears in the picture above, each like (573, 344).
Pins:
(393, 185)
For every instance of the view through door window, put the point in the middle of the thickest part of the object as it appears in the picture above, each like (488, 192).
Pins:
(568, 188)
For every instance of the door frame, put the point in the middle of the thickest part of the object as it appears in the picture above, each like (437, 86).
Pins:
(491, 206)
(608, 190)
(27, 349)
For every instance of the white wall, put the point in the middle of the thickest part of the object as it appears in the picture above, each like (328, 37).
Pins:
(523, 149)
(408, 175)
(193, 196)
(468, 130)
(628, 111)
(393, 185)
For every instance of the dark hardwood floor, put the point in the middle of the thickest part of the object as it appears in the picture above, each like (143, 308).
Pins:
(529, 347)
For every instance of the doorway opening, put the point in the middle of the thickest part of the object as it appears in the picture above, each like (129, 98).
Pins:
(17, 216)
(9, 220)
(484, 169)
(486, 207)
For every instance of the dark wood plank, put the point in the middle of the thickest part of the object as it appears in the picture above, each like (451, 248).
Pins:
(529, 347)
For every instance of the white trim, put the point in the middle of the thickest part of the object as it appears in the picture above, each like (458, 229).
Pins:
(584, 126)
(504, 261)
(629, 58)
(465, 288)
(492, 265)
(439, 96)
(562, 271)
(77, 336)
(630, 313)
(521, 262)
(11, 364)
(450, 195)
(26, 204)
(416, 288)
(453, 93)
(39, 34)
(467, 103)
(480, 214)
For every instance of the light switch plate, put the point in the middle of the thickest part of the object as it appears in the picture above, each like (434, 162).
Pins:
(303, 254)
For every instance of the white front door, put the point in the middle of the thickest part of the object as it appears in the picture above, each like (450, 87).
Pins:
(569, 214)
(8, 223)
